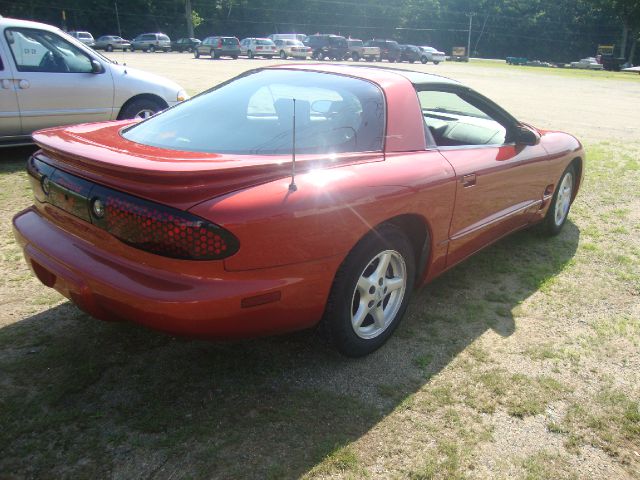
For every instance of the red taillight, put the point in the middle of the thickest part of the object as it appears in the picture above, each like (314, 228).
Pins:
(159, 229)
(140, 223)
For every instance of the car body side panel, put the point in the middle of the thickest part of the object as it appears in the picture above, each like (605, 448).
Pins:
(10, 123)
(332, 209)
(498, 188)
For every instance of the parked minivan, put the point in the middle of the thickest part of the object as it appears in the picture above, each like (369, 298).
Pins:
(54, 79)
(150, 42)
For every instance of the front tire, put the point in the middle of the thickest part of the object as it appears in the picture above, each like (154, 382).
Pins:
(370, 292)
(109, 48)
(558, 211)
(196, 53)
(250, 54)
(141, 108)
(355, 57)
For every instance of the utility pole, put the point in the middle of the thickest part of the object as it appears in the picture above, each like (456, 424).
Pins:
(115, 3)
(189, 17)
(470, 15)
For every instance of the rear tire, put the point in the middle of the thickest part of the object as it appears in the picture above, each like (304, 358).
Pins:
(370, 292)
(249, 54)
(423, 60)
(355, 57)
(196, 53)
(152, 49)
(109, 48)
(283, 55)
(436, 63)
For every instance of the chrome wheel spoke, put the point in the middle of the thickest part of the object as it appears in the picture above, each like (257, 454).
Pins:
(378, 316)
(383, 265)
(394, 283)
(360, 315)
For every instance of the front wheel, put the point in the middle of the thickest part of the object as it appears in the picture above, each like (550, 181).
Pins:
(370, 292)
(250, 54)
(435, 63)
(196, 53)
(141, 108)
(355, 57)
(558, 211)
(109, 48)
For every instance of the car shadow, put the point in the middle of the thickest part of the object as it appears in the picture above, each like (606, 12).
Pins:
(14, 159)
(91, 398)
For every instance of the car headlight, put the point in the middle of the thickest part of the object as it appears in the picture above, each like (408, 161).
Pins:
(182, 96)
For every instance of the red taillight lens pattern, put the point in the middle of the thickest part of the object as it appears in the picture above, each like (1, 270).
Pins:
(162, 230)
(137, 222)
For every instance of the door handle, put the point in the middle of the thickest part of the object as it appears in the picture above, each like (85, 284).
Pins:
(469, 180)
(6, 83)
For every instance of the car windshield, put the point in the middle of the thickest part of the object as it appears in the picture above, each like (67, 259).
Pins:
(264, 42)
(253, 114)
(355, 43)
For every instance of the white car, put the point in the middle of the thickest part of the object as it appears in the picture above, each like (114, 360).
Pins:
(589, 63)
(49, 78)
(292, 48)
(430, 54)
(258, 47)
(84, 37)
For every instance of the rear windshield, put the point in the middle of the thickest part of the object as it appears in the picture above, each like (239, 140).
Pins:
(163, 37)
(230, 41)
(355, 43)
(254, 115)
(264, 42)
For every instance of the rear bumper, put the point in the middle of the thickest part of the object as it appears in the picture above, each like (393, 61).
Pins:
(207, 301)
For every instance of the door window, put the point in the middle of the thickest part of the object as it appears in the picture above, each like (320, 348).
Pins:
(453, 121)
(41, 51)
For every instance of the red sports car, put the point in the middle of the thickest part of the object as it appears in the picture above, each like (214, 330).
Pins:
(288, 197)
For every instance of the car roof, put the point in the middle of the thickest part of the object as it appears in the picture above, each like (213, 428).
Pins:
(14, 22)
(374, 74)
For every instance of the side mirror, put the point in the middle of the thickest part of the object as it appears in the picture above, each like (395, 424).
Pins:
(526, 136)
(96, 67)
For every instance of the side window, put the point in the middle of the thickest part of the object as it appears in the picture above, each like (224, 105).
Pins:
(453, 121)
(41, 51)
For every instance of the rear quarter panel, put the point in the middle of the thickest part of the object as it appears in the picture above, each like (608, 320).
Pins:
(332, 209)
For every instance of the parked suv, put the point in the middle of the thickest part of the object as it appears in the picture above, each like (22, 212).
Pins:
(218, 47)
(150, 42)
(84, 37)
(111, 43)
(389, 49)
(258, 47)
(357, 50)
(57, 80)
(185, 44)
(410, 53)
(323, 46)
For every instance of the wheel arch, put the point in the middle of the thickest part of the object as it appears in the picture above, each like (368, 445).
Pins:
(140, 96)
(577, 164)
(418, 232)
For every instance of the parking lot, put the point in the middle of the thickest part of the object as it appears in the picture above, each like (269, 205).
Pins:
(522, 362)
(591, 107)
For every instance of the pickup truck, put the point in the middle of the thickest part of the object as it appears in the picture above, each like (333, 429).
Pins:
(49, 78)
(357, 50)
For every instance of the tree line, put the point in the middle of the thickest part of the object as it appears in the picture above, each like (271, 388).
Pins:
(552, 30)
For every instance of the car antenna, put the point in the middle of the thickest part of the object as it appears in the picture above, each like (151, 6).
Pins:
(292, 186)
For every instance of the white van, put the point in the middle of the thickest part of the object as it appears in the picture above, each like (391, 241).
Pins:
(49, 78)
